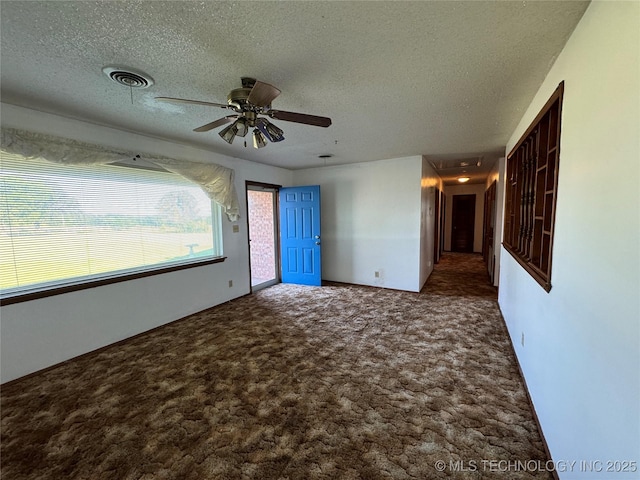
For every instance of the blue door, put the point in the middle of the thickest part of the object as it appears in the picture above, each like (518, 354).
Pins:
(300, 235)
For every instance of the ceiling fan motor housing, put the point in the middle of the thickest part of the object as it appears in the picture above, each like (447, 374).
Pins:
(237, 98)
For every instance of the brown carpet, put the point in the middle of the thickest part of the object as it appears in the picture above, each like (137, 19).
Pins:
(292, 382)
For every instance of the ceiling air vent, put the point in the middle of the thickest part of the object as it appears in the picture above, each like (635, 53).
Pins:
(128, 77)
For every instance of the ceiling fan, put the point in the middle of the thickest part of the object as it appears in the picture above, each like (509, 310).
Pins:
(249, 102)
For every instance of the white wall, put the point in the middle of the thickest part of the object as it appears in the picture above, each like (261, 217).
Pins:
(43, 332)
(581, 356)
(478, 191)
(371, 215)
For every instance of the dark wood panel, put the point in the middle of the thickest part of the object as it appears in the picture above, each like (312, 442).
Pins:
(531, 192)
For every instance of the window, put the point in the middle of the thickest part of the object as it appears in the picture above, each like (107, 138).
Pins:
(531, 191)
(64, 227)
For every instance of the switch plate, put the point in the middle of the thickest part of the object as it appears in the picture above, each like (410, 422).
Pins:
(236, 228)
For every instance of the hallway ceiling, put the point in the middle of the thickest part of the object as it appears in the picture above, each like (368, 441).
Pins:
(449, 80)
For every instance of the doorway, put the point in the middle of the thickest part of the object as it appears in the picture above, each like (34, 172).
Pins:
(262, 208)
(463, 223)
(438, 231)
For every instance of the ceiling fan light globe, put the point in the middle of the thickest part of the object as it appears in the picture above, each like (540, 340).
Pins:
(269, 130)
(241, 127)
(259, 140)
(275, 134)
(261, 125)
(228, 133)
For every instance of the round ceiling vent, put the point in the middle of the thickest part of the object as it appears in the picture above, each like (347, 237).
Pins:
(128, 77)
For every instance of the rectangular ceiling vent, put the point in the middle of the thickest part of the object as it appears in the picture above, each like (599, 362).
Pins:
(465, 163)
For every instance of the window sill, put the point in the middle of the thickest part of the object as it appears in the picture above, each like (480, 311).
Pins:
(74, 287)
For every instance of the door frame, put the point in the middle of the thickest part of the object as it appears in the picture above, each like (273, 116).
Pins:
(438, 230)
(261, 186)
(489, 227)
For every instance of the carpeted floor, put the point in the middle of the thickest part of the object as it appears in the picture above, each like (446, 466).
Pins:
(292, 382)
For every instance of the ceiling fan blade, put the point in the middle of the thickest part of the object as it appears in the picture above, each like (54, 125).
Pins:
(215, 124)
(300, 118)
(193, 102)
(262, 94)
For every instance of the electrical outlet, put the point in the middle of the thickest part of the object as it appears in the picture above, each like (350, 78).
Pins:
(236, 229)
(230, 283)
(522, 339)
(377, 274)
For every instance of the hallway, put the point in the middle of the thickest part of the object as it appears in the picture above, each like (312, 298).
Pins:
(460, 274)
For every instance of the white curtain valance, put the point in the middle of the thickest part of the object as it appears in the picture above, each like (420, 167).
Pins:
(216, 181)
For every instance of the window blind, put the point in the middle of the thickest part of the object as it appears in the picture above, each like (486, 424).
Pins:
(65, 224)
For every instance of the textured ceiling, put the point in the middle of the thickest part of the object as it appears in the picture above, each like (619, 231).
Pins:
(449, 80)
